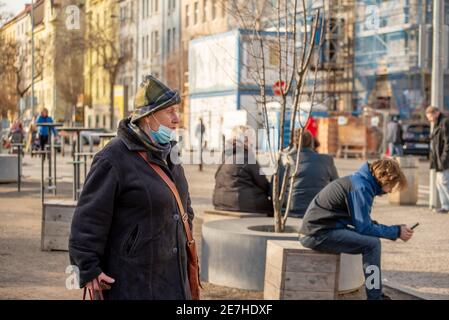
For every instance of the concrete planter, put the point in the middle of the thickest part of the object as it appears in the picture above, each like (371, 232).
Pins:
(8, 168)
(233, 254)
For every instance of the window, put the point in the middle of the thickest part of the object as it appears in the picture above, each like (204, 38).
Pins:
(156, 5)
(97, 89)
(195, 13)
(187, 15)
(147, 46)
(143, 47)
(214, 9)
(168, 40)
(204, 10)
(122, 14)
(104, 120)
(174, 46)
(143, 8)
(104, 86)
(156, 42)
(131, 48)
(97, 121)
(151, 8)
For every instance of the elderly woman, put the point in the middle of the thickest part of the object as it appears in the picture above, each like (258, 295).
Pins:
(239, 184)
(127, 235)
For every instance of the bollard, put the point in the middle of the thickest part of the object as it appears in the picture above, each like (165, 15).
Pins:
(409, 196)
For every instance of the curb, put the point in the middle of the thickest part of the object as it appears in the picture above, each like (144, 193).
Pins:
(407, 291)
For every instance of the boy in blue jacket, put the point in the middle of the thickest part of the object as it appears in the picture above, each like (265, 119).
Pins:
(338, 218)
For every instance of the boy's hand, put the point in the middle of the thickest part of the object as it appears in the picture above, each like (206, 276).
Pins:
(406, 233)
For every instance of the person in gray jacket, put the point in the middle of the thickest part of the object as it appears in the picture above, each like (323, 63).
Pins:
(239, 184)
(315, 172)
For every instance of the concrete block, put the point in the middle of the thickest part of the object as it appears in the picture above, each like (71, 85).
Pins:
(56, 221)
(8, 168)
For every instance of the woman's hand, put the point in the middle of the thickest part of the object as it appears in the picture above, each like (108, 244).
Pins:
(102, 282)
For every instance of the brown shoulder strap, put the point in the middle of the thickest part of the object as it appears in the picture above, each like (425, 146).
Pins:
(173, 189)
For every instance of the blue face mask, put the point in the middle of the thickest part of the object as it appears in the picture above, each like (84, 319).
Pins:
(163, 134)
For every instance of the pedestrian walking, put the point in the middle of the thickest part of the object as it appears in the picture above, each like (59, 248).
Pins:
(439, 154)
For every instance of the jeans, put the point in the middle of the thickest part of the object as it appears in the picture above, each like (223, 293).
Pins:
(351, 242)
(442, 183)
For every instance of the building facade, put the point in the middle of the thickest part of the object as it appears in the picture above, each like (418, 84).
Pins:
(56, 86)
(393, 55)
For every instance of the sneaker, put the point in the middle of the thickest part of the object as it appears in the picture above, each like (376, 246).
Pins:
(442, 211)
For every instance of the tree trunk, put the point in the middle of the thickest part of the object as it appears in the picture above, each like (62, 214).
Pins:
(111, 106)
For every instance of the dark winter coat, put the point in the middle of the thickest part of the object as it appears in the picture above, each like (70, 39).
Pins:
(315, 172)
(127, 223)
(439, 145)
(241, 187)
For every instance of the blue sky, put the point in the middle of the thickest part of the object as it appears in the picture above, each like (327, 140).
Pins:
(14, 6)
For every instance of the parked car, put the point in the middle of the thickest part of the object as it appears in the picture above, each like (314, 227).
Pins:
(416, 139)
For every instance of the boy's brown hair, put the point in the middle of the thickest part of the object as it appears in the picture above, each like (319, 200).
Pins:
(387, 172)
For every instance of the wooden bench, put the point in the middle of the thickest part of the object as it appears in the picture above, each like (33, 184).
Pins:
(56, 221)
(210, 215)
(293, 272)
(346, 150)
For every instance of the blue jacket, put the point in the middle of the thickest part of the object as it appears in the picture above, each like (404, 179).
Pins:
(360, 201)
(43, 130)
(347, 203)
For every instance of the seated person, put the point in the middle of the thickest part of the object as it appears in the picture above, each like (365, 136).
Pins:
(239, 184)
(338, 219)
(314, 173)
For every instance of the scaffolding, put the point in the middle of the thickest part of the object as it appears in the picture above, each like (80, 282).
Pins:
(334, 83)
(392, 55)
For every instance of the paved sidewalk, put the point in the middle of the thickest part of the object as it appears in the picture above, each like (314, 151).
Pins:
(421, 265)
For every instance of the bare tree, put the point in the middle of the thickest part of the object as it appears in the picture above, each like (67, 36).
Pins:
(8, 99)
(15, 62)
(103, 39)
(4, 15)
(289, 51)
(70, 60)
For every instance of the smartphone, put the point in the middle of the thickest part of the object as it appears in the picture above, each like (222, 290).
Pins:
(415, 225)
